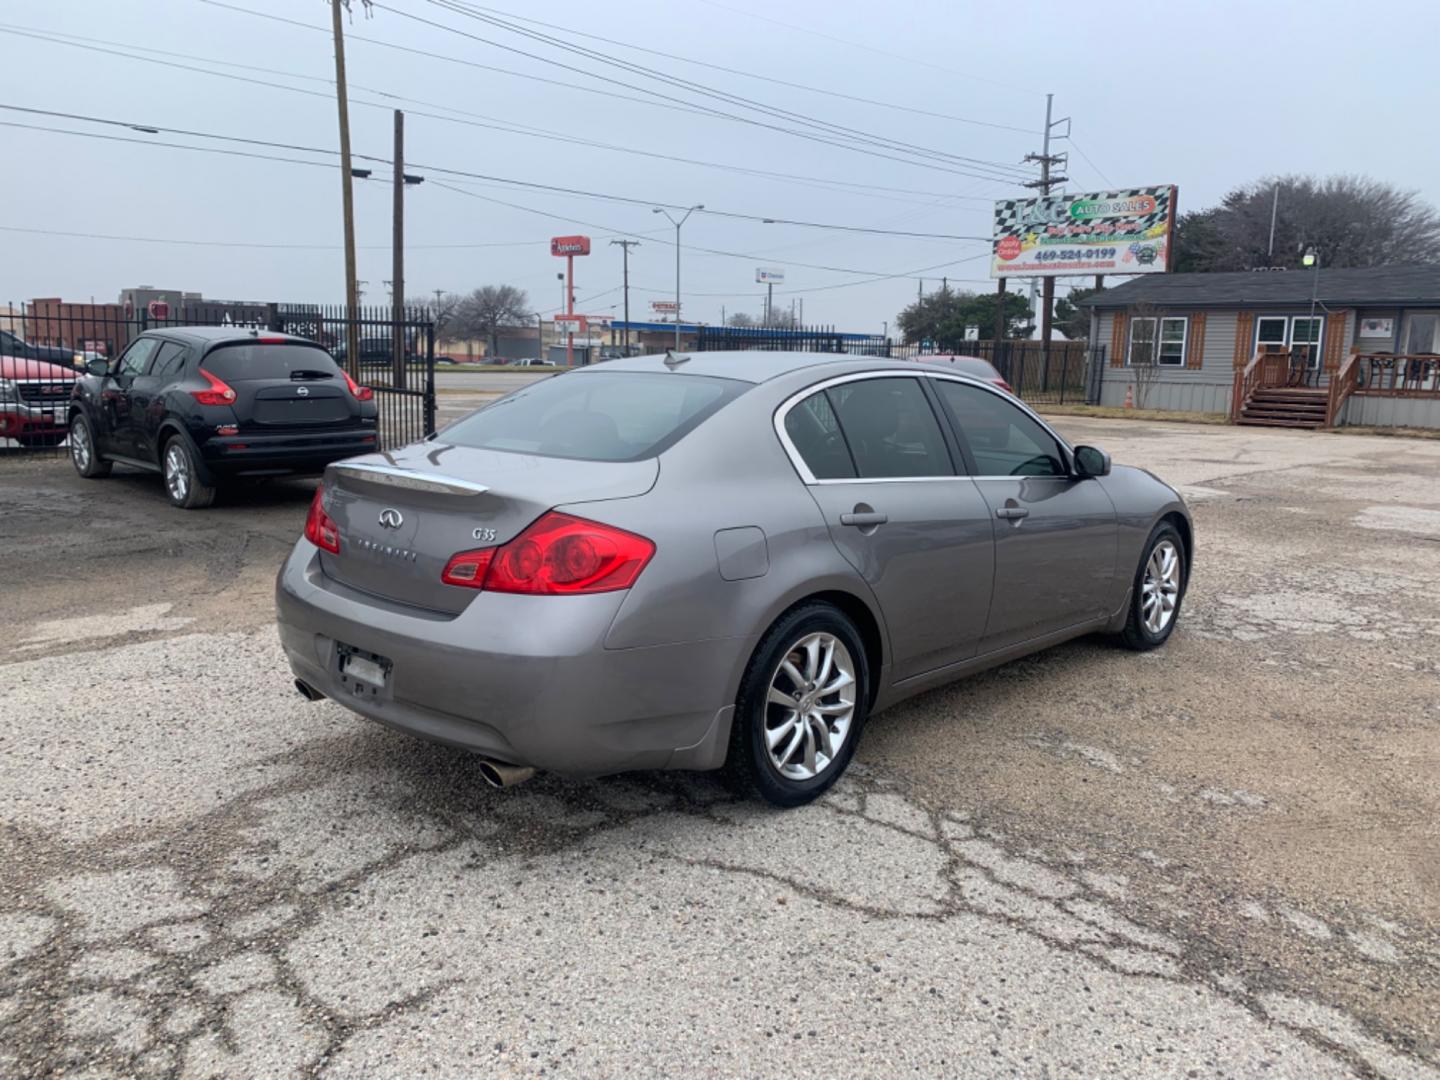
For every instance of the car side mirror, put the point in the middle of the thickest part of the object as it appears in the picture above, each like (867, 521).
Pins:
(98, 367)
(1091, 462)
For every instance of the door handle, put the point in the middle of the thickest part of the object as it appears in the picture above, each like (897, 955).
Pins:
(1012, 513)
(864, 520)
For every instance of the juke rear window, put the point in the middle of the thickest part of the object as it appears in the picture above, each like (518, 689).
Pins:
(234, 363)
(596, 416)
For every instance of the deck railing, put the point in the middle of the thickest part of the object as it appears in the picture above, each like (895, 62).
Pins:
(1264, 369)
(1397, 375)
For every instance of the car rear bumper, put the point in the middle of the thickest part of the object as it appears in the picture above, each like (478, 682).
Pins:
(523, 679)
(276, 455)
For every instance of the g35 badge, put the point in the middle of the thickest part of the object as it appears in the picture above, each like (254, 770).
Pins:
(483, 535)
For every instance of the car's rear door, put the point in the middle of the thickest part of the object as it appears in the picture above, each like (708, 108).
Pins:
(283, 387)
(871, 450)
(1055, 534)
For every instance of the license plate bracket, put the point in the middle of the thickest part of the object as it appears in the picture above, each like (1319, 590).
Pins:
(361, 671)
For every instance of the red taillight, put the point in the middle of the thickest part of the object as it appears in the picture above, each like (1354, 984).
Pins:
(320, 530)
(558, 555)
(1003, 385)
(362, 393)
(218, 394)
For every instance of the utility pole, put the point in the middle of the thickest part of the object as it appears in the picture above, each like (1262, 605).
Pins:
(1044, 184)
(1274, 211)
(397, 259)
(625, 246)
(352, 288)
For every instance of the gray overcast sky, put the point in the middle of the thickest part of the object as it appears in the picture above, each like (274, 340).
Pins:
(1204, 95)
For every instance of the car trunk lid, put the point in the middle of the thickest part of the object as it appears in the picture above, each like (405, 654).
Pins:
(283, 386)
(403, 514)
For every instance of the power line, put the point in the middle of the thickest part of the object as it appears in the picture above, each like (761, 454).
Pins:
(1086, 158)
(952, 72)
(459, 7)
(755, 75)
(551, 62)
(540, 133)
(535, 185)
(538, 241)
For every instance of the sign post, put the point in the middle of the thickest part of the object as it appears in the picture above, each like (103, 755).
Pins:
(570, 246)
(768, 276)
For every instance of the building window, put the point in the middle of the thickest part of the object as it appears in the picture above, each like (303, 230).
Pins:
(1300, 334)
(1271, 332)
(1167, 349)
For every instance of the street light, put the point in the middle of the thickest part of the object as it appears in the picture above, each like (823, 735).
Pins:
(1311, 258)
(677, 224)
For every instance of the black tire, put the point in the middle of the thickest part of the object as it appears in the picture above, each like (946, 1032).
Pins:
(50, 438)
(749, 763)
(88, 463)
(1137, 635)
(188, 492)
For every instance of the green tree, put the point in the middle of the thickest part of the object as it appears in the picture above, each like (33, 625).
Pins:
(943, 316)
(1070, 319)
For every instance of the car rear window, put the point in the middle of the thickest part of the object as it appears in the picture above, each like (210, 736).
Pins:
(596, 416)
(241, 362)
(969, 365)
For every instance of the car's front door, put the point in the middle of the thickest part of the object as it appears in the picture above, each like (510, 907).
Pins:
(1055, 534)
(118, 434)
(876, 461)
(147, 399)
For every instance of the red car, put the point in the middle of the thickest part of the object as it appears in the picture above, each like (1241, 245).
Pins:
(34, 400)
(972, 366)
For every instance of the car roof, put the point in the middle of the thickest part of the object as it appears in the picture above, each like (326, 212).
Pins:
(214, 335)
(751, 365)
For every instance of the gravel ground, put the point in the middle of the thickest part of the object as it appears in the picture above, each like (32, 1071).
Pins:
(1221, 859)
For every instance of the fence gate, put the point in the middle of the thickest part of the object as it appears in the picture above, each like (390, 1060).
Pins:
(45, 346)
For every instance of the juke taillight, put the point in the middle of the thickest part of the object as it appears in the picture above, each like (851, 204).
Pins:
(358, 392)
(320, 528)
(557, 555)
(220, 393)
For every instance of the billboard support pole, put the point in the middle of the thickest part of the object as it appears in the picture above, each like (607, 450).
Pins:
(1044, 184)
(1000, 343)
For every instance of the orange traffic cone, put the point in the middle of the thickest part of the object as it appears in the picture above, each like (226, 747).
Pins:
(1130, 397)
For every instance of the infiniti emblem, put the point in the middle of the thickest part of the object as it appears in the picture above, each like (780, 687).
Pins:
(302, 391)
(391, 518)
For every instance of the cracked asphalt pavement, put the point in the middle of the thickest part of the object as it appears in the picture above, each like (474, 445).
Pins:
(1220, 859)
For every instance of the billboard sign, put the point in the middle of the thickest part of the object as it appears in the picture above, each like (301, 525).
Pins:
(570, 245)
(664, 307)
(570, 324)
(765, 275)
(1105, 232)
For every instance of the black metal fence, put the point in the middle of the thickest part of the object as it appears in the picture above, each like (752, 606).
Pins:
(1064, 372)
(45, 345)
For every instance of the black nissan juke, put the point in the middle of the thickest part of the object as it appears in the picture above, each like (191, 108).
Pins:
(202, 405)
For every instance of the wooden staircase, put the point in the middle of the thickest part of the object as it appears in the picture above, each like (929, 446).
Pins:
(1285, 406)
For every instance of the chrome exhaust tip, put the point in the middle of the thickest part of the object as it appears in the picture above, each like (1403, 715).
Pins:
(308, 692)
(500, 774)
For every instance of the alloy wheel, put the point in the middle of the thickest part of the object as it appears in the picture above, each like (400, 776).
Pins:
(810, 706)
(1160, 589)
(177, 473)
(80, 445)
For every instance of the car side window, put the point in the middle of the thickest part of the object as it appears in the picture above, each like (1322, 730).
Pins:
(168, 361)
(890, 428)
(1003, 440)
(815, 433)
(137, 357)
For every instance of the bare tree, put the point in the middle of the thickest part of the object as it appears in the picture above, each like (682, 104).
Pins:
(1349, 220)
(486, 310)
(742, 319)
(442, 309)
(1143, 332)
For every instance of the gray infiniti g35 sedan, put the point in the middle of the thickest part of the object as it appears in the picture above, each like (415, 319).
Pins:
(718, 559)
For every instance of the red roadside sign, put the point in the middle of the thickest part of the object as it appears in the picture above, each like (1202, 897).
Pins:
(570, 245)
